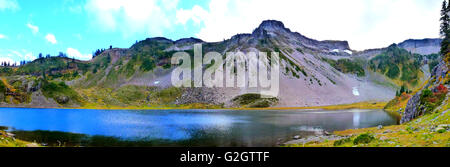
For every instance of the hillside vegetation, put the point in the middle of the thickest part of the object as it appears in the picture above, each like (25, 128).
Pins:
(347, 66)
(398, 65)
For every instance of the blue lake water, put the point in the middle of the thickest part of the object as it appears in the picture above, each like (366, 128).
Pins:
(77, 127)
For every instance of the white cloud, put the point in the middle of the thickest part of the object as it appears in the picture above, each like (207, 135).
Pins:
(15, 56)
(74, 53)
(364, 23)
(132, 16)
(2, 36)
(23, 55)
(9, 4)
(51, 38)
(197, 15)
(33, 28)
(7, 60)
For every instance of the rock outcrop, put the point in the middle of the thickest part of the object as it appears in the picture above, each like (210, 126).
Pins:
(414, 108)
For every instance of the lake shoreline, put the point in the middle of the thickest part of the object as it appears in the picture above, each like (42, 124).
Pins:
(360, 105)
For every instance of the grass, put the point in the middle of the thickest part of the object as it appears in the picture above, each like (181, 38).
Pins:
(6, 141)
(132, 97)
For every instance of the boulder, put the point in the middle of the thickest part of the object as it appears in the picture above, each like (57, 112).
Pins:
(62, 99)
(380, 127)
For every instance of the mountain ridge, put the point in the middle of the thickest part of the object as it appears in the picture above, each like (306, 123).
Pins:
(313, 72)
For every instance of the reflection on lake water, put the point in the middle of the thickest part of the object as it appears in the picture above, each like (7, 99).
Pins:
(74, 127)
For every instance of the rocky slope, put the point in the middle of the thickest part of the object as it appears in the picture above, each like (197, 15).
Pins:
(313, 73)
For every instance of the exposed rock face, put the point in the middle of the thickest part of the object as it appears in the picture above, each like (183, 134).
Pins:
(439, 71)
(422, 46)
(412, 109)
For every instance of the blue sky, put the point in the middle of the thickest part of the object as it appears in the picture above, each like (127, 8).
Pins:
(78, 27)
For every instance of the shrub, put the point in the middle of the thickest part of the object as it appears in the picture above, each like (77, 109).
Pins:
(247, 98)
(364, 139)
(341, 142)
(442, 89)
(254, 100)
(442, 131)
(431, 100)
(427, 93)
(261, 104)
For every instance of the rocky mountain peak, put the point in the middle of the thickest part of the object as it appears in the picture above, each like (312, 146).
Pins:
(159, 39)
(270, 26)
(188, 41)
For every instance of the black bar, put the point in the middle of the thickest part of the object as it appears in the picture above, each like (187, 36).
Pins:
(276, 156)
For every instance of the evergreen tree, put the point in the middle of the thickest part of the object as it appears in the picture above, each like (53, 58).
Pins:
(444, 19)
(62, 54)
(445, 30)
